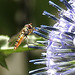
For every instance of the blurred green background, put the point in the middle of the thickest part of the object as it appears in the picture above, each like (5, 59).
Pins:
(14, 14)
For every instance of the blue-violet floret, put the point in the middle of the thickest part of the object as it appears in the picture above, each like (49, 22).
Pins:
(59, 56)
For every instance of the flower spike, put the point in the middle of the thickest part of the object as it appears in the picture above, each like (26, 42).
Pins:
(56, 6)
(40, 34)
(37, 70)
(50, 15)
(67, 4)
(48, 27)
(59, 45)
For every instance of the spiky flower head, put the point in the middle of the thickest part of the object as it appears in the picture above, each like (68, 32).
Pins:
(60, 45)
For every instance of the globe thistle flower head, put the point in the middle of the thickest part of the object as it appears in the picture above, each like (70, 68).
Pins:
(59, 55)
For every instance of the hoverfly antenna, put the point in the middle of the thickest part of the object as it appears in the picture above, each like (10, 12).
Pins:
(30, 23)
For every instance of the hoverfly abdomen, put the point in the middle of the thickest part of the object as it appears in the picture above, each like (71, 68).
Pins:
(18, 42)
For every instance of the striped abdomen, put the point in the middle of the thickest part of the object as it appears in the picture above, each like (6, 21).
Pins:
(19, 40)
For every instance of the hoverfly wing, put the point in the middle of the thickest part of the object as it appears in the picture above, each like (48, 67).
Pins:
(13, 38)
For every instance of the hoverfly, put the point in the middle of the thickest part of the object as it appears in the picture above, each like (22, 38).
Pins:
(26, 30)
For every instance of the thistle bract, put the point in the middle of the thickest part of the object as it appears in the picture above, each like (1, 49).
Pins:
(60, 45)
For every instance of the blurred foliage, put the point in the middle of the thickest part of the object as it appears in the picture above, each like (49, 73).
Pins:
(14, 14)
(6, 50)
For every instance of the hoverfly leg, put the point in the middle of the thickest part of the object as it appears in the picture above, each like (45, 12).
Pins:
(34, 29)
(26, 40)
